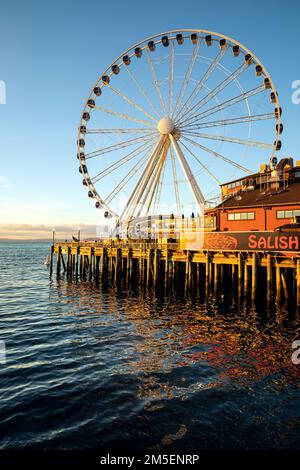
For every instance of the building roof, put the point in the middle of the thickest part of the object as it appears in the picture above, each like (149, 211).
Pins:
(246, 177)
(258, 198)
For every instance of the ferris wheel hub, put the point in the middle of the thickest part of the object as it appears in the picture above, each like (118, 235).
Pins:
(165, 125)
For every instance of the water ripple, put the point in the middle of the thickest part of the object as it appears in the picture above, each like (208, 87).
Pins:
(89, 365)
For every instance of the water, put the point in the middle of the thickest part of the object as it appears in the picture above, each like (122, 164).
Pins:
(90, 366)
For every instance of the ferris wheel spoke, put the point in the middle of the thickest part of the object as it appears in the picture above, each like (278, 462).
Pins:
(138, 130)
(121, 161)
(139, 188)
(118, 146)
(187, 76)
(225, 104)
(175, 180)
(159, 186)
(195, 190)
(131, 102)
(140, 201)
(153, 182)
(156, 193)
(227, 122)
(123, 116)
(220, 87)
(233, 140)
(142, 91)
(202, 164)
(155, 81)
(121, 185)
(218, 155)
(201, 83)
(155, 187)
(171, 78)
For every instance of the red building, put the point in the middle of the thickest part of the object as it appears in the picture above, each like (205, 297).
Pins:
(266, 200)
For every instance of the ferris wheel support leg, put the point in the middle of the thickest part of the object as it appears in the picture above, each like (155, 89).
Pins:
(196, 191)
(142, 182)
(155, 179)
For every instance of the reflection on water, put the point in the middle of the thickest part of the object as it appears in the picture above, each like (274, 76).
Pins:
(92, 365)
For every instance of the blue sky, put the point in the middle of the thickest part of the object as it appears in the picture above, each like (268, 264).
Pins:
(52, 52)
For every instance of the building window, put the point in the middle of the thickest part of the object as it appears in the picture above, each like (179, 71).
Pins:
(287, 214)
(234, 185)
(241, 216)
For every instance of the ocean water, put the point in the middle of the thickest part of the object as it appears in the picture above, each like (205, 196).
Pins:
(89, 366)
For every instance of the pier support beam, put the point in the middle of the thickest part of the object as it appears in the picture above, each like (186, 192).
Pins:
(118, 265)
(278, 283)
(188, 270)
(207, 270)
(254, 275)
(129, 265)
(58, 258)
(240, 272)
(69, 261)
(103, 263)
(156, 265)
(284, 284)
(246, 276)
(216, 276)
(51, 259)
(149, 266)
(269, 277)
(298, 283)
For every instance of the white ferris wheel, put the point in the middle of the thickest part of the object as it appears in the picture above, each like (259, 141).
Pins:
(171, 119)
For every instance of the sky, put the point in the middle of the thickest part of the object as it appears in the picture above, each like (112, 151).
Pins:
(51, 54)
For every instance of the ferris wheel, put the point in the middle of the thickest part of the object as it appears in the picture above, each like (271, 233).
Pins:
(171, 119)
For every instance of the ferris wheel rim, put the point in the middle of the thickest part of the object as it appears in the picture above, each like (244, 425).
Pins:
(157, 37)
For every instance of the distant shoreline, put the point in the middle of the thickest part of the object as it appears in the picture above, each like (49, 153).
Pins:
(24, 240)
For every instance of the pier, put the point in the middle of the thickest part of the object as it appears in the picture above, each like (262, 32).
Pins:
(161, 265)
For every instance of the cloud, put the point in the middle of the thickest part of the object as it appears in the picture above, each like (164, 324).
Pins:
(4, 182)
(44, 232)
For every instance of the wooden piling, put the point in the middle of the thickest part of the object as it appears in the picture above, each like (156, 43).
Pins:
(156, 265)
(188, 269)
(240, 272)
(246, 276)
(118, 265)
(298, 283)
(58, 258)
(129, 265)
(278, 283)
(207, 268)
(254, 274)
(149, 265)
(216, 276)
(269, 277)
(103, 263)
(51, 259)
(284, 284)
(68, 259)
